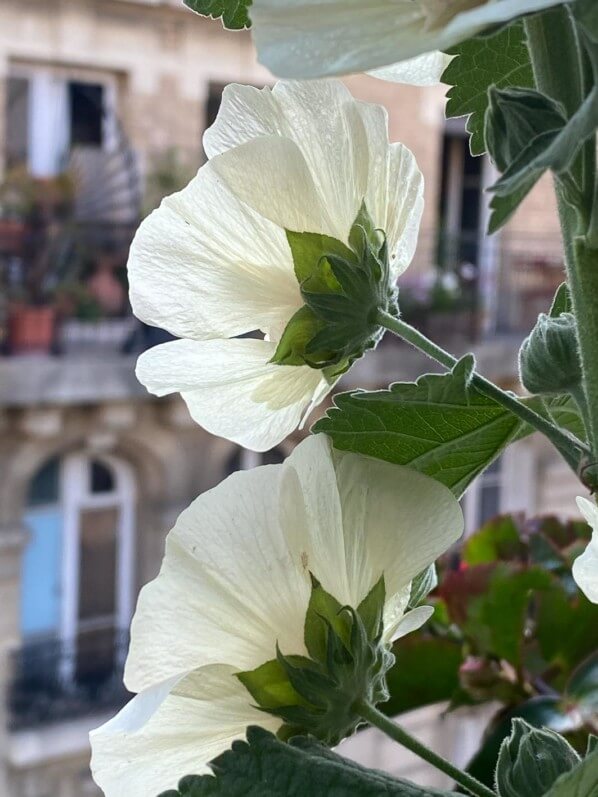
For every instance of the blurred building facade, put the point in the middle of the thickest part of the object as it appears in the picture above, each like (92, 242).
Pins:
(93, 471)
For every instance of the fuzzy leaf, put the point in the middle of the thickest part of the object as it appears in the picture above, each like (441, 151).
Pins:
(501, 60)
(266, 767)
(439, 425)
(234, 13)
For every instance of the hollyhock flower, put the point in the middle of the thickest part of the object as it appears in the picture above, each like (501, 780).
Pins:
(315, 38)
(215, 261)
(235, 586)
(585, 567)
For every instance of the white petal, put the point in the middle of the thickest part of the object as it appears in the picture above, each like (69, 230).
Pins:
(272, 177)
(411, 622)
(352, 519)
(585, 567)
(321, 119)
(314, 38)
(394, 196)
(205, 265)
(232, 389)
(228, 589)
(397, 521)
(423, 70)
(171, 731)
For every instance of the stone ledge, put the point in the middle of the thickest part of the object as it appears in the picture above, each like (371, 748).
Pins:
(42, 380)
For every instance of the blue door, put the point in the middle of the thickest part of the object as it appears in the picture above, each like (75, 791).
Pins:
(42, 559)
(40, 595)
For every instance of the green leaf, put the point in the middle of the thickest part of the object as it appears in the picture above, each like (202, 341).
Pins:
(497, 540)
(583, 687)
(580, 782)
(426, 671)
(553, 150)
(501, 60)
(439, 425)
(497, 619)
(514, 117)
(234, 13)
(566, 628)
(266, 767)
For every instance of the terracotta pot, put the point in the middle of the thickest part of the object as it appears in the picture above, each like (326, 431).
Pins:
(31, 329)
(12, 236)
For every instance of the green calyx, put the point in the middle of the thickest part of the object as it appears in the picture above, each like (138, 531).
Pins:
(343, 287)
(347, 663)
(531, 760)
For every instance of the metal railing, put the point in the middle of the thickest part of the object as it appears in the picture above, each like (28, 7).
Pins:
(55, 680)
(503, 283)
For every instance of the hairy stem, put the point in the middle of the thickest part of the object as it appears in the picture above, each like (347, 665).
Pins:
(395, 732)
(568, 79)
(573, 451)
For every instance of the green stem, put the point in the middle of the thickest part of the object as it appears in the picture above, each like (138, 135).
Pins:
(572, 450)
(567, 80)
(395, 732)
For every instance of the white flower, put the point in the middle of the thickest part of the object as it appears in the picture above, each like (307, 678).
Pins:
(235, 581)
(315, 38)
(585, 567)
(213, 262)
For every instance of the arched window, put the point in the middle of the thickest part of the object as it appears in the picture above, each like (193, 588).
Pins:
(78, 568)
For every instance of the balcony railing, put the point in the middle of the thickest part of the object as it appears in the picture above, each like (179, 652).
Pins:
(56, 680)
(502, 285)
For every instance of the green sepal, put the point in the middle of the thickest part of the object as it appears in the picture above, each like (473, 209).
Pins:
(371, 610)
(323, 611)
(269, 684)
(562, 301)
(592, 745)
(348, 664)
(422, 585)
(531, 761)
(344, 288)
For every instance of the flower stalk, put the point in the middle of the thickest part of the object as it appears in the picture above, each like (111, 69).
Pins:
(398, 734)
(566, 80)
(573, 451)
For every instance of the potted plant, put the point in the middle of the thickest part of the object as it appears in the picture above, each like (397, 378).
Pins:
(32, 239)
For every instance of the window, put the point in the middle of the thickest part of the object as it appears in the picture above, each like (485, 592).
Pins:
(78, 566)
(485, 497)
(17, 121)
(48, 113)
(460, 201)
(86, 103)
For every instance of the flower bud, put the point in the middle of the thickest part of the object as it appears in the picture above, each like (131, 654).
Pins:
(531, 760)
(549, 358)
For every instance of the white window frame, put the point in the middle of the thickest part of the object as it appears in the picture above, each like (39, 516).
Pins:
(40, 74)
(516, 480)
(76, 497)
